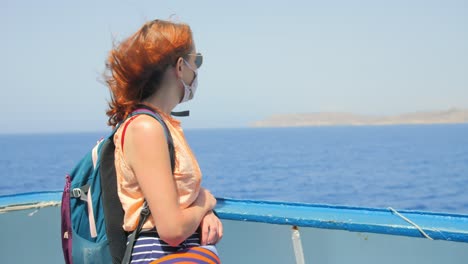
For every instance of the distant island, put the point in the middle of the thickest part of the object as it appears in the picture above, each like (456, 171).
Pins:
(451, 116)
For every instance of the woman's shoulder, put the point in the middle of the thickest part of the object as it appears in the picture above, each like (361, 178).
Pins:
(144, 126)
(144, 140)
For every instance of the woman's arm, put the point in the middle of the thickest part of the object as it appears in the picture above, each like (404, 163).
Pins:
(147, 154)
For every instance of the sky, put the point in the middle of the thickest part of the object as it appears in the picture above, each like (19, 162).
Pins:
(260, 58)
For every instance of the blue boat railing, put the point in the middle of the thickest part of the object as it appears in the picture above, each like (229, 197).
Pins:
(438, 226)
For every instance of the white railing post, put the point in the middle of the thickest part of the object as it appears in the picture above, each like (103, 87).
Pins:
(297, 245)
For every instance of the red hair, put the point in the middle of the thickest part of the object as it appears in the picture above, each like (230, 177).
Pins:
(136, 66)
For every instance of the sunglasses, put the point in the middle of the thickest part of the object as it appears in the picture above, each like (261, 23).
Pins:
(198, 59)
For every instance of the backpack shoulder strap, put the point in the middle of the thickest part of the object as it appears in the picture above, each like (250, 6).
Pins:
(112, 208)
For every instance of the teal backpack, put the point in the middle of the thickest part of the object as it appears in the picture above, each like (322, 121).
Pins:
(91, 212)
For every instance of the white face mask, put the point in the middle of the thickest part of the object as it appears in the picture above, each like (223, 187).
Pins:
(189, 90)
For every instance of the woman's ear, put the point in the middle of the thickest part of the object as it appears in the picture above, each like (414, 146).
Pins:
(178, 67)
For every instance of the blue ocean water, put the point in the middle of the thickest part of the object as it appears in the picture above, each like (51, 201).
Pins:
(421, 167)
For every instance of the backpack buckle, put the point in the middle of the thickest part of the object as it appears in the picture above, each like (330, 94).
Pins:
(76, 193)
(145, 210)
(81, 192)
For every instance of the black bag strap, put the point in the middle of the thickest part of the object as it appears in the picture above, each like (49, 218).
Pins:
(113, 211)
(181, 113)
(144, 214)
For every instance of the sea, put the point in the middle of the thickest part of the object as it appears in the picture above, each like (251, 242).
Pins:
(413, 167)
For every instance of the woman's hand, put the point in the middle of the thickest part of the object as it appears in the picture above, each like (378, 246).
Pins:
(211, 228)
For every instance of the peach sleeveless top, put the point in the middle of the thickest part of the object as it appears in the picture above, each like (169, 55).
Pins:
(187, 175)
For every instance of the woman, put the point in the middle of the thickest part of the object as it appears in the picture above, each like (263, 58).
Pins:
(157, 67)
